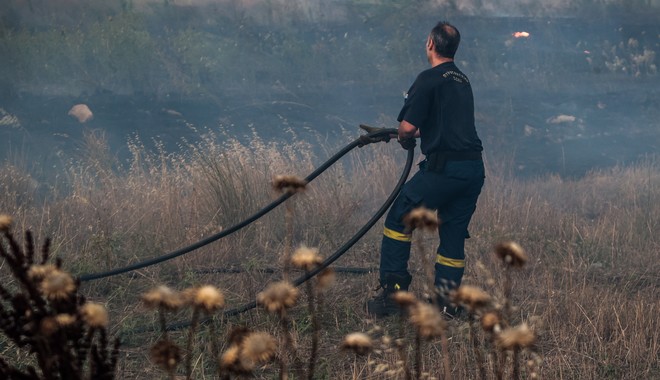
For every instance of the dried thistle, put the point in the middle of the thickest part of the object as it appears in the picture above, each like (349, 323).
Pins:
(517, 337)
(257, 347)
(238, 334)
(511, 254)
(43, 313)
(163, 297)
(421, 218)
(325, 278)
(166, 354)
(427, 320)
(208, 298)
(278, 297)
(39, 272)
(490, 322)
(246, 350)
(288, 183)
(358, 342)
(404, 299)
(306, 258)
(230, 357)
(5, 222)
(230, 361)
(94, 315)
(57, 285)
(64, 320)
(48, 326)
(470, 296)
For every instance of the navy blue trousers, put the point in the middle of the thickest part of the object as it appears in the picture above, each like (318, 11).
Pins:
(453, 193)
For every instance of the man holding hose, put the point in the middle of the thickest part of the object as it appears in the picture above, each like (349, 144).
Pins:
(439, 109)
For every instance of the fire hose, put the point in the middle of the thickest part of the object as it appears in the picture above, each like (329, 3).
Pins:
(373, 135)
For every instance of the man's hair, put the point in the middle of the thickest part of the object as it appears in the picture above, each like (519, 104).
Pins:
(445, 39)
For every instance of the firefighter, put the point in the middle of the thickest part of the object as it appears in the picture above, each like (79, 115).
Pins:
(439, 110)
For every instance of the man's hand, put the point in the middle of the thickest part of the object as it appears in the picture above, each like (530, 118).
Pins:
(366, 140)
(408, 143)
(407, 134)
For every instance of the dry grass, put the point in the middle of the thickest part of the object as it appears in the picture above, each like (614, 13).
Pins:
(590, 289)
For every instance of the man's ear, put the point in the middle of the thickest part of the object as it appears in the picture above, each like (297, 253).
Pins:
(429, 43)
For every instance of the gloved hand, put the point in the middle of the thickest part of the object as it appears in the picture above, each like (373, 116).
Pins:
(366, 140)
(408, 143)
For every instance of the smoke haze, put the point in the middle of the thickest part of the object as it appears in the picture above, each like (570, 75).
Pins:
(576, 88)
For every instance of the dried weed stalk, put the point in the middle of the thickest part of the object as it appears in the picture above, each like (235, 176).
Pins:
(43, 314)
(309, 259)
(277, 299)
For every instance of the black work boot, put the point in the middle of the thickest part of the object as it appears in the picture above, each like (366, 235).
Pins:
(383, 305)
(448, 309)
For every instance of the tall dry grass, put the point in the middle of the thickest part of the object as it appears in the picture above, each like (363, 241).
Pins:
(590, 290)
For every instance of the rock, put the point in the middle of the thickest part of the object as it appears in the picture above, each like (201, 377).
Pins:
(81, 112)
(561, 119)
(8, 120)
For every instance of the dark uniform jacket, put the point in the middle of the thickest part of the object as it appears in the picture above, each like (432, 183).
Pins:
(441, 105)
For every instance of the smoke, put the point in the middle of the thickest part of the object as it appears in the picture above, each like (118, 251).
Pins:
(535, 8)
(548, 78)
(46, 12)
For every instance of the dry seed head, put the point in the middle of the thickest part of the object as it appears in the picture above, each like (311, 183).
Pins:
(5, 222)
(404, 299)
(511, 254)
(278, 297)
(427, 320)
(208, 298)
(516, 337)
(288, 183)
(306, 258)
(325, 278)
(237, 334)
(421, 218)
(39, 272)
(64, 320)
(48, 326)
(489, 321)
(94, 315)
(230, 361)
(166, 355)
(163, 297)
(257, 347)
(470, 296)
(358, 342)
(229, 358)
(57, 285)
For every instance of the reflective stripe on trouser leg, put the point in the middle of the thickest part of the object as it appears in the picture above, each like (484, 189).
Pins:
(400, 236)
(448, 272)
(448, 262)
(395, 252)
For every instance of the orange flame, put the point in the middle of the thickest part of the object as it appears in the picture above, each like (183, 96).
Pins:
(521, 34)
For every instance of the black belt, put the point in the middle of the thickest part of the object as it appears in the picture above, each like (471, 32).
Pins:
(436, 161)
